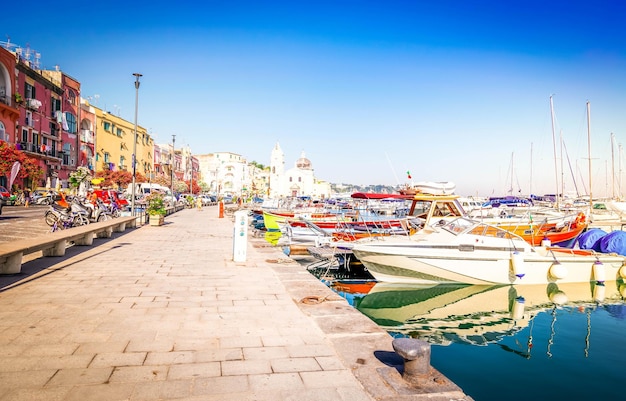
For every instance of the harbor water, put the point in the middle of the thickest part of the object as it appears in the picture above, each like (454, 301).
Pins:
(509, 342)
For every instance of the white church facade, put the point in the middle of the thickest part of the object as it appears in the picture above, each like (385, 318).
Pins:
(298, 181)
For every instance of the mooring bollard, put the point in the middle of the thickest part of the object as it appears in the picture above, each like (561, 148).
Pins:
(416, 355)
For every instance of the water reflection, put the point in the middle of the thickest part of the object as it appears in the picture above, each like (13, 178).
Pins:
(474, 314)
(545, 335)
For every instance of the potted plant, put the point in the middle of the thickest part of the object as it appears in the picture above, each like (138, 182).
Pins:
(156, 208)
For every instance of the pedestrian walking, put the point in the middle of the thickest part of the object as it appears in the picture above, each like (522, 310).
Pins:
(199, 202)
(26, 197)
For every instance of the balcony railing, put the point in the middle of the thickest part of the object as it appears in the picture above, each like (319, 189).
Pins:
(8, 100)
(32, 148)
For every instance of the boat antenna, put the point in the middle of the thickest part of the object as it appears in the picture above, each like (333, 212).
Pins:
(392, 169)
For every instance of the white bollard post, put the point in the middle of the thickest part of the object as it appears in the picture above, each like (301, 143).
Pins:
(240, 236)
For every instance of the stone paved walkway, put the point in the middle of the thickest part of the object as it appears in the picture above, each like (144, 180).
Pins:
(160, 313)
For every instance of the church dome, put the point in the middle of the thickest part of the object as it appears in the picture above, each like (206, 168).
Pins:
(303, 163)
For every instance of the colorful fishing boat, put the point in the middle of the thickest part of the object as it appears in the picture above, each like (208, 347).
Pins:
(272, 219)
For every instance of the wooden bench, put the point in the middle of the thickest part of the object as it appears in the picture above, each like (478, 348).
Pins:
(54, 244)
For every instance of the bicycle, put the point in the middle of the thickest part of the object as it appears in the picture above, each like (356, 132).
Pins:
(64, 221)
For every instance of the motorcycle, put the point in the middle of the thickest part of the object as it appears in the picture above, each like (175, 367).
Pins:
(47, 199)
(66, 215)
(100, 212)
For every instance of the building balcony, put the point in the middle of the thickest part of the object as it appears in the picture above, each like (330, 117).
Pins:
(33, 149)
(86, 136)
(8, 108)
(33, 104)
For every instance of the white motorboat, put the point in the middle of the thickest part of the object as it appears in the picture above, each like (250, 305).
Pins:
(472, 252)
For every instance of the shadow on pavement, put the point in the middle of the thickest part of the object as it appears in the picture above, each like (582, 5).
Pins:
(42, 266)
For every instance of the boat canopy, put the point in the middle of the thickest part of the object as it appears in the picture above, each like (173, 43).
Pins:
(374, 195)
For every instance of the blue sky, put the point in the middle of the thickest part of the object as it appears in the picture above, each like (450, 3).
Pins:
(448, 90)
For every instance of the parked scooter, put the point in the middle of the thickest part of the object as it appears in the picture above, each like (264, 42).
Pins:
(63, 214)
(47, 199)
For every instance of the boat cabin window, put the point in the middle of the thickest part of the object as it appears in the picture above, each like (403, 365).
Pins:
(447, 209)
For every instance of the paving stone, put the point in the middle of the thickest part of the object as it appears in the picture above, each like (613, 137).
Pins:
(158, 313)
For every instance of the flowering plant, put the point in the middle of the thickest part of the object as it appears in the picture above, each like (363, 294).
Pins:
(156, 204)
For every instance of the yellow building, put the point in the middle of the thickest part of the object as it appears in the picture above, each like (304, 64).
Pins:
(114, 144)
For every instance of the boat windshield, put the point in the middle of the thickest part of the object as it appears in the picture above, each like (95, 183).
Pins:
(457, 226)
(465, 225)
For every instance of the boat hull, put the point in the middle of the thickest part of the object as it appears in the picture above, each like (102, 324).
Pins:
(433, 265)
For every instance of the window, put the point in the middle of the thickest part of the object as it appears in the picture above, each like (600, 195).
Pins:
(122, 160)
(107, 157)
(29, 118)
(71, 122)
(54, 130)
(119, 132)
(24, 135)
(107, 126)
(29, 91)
(67, 148)
(55, 105)
(3, 133)
(71, 97)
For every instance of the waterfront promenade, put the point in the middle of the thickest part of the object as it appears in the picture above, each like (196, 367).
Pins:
(163, 313)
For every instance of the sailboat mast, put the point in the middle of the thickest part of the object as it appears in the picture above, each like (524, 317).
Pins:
(612, 166)
(562, 167)
(530, 185)
(589, 150)
(619, 175)
(556, 169)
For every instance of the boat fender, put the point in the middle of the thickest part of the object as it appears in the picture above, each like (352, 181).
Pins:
(557, 271)
(622, 271)
(558, 297)
(545, 242)
(599, 292)
(517, 262)
(517, 312)
(622, 290)
(599, 274)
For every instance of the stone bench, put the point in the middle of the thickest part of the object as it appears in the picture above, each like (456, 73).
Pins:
(55, 243)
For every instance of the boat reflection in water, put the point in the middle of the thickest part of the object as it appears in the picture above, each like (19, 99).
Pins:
(562, 332)
(475, 314)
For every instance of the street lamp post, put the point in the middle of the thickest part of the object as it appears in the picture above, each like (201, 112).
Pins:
(172, 163)
(134, 161)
